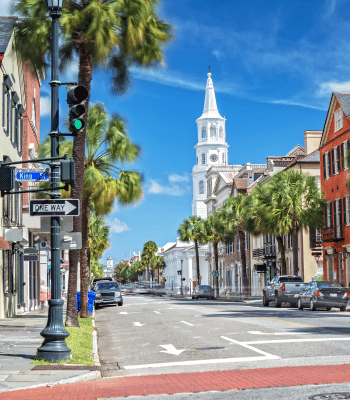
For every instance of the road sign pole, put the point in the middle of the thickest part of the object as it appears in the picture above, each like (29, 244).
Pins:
(54, 347)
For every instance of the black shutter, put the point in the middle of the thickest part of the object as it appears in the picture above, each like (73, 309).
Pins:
(337, 150)
(329, 164)
(343, 156)
(330, 214)
(340, 212)
(345, 213)
(333, 160)
(324, 167)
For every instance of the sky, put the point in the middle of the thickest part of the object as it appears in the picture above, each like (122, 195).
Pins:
(274, 66)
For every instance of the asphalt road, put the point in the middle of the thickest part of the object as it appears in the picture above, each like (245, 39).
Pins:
(157, 335)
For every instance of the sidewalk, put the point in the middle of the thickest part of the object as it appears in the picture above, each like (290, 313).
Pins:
(19, 339)
(189, 383)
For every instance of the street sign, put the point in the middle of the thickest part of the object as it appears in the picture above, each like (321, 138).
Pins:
(31, 257)
(54, 207)
(32, 175)
(30, 250)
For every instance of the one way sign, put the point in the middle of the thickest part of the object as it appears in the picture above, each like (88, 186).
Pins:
(54, 207)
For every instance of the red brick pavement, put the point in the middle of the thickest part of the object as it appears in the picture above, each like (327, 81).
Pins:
(187, 382)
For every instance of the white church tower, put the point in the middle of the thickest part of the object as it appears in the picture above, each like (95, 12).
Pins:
(211, 149)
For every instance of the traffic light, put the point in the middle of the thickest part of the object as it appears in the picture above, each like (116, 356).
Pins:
(68, 171)
(76, 96)
(7, 178)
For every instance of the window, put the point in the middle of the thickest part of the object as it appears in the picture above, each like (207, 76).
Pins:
(201, 187)
(329, 219)
(336, 160)
(6, 101)
(338, 217)
(203, 158)
(223, 158)
(33, 119)
(204, 133)
(344, 155)
(327, 171)
(338, 118)
(221, 132)
(212, 131)
(346, 209)
(238, 243)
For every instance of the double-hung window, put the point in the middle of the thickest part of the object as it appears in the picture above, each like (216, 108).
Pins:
(327, 171)
(338, 119)
(329, 215)
(6, 104)
(346, 209)
(336, 160)
(338, 217)
(344, 155)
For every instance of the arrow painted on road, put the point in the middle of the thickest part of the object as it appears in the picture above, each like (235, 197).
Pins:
(138, 324)
(170, 349)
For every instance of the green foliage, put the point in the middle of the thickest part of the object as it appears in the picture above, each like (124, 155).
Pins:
(97, 242)
(120, 271)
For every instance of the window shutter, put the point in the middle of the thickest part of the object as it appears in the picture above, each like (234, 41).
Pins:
(329, 163)
(333, 160)
(324, 167)
(339, 212)
(343, 156)
(345, 210)
(330, 214)
(337, 150)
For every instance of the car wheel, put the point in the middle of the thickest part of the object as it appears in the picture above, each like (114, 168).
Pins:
(328, 308)
(300, 306)
(265, 301)
(278, 303)
(343, 308)
(97, 306)
(120, 303)
(192, 298)
(312, 305)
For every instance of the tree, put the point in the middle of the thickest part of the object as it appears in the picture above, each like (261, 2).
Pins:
(148, 252)
(97, 243)
(120, 271)
(236, 218)
(117, 33)
(107, 144)
(214, 232)
(295, 203)
(157, 263)
(191, 229)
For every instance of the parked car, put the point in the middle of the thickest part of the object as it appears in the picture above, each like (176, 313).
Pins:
(203, 291)
(323, 294)
(107, 292)
(283, 288)
(95, 280)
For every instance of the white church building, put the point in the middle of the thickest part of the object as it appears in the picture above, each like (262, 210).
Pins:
(211, 151)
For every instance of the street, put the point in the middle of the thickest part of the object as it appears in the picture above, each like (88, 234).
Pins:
(162, 335)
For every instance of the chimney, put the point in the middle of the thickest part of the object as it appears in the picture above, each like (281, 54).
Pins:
(312, 141)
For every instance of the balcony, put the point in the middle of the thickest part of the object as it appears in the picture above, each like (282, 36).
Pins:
(333, 234)
(258, 253)
(270, 251)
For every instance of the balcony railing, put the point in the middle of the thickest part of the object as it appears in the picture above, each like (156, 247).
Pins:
(270, 251)
(333, 234)
(258, 253)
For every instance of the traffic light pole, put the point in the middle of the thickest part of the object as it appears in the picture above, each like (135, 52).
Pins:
(54, 347)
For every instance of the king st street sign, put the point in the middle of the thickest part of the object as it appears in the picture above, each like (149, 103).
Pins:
(54, 207)
(32, 175)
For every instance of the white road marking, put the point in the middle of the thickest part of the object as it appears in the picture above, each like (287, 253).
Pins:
(123, 312)
(138, 324)
(132, 312)
(298, 340)
(245, 344)
(276, 333)
(170, 349)
(157, 312)
(187, 323)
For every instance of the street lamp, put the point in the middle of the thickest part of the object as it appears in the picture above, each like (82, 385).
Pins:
(54, 347)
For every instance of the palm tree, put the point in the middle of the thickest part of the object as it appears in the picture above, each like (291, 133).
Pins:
(107, 144)
(117, 33)
(214, 232)
(295, 203)
(97, 243)
(191, 229)
(149, 250)
(236, 218)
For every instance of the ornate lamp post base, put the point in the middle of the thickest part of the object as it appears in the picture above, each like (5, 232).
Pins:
(54, 347)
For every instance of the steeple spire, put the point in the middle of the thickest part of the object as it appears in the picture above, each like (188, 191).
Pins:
(210, 108)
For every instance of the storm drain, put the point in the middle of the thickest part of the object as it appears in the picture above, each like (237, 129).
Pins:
(211, 348)
(330, 396)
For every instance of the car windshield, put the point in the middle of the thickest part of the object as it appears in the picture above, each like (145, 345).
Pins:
(325, 284)
(205, 287)
(107, 286)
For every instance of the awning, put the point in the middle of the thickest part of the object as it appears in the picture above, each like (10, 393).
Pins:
(4, 244)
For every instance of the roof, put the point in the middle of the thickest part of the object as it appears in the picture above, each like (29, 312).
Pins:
(6, 28)
(241, 183)
(344, 102)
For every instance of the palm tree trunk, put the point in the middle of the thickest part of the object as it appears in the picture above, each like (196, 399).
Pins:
(84, 268)
(197, 261)
(216, 258)
(245, 278)
(283, 255)
(295, 250)
(84, 78)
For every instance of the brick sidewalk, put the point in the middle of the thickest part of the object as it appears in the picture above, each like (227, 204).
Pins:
(188, 382)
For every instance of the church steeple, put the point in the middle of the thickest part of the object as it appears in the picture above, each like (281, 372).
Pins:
(210, 108)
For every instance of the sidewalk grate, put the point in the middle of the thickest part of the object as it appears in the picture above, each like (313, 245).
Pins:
(66, 367)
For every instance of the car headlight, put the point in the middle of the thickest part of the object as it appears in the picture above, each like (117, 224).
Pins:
(98, 295)
(117, 294)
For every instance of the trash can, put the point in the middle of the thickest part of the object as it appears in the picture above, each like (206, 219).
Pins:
(78, 301)
(91, 300)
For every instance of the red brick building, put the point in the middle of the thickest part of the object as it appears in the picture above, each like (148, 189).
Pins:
(334, 176)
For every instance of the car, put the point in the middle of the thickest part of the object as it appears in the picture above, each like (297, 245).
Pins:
(323, 294)
(107, 292)
(203, 291)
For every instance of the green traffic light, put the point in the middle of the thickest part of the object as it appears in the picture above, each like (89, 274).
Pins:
(78, 124)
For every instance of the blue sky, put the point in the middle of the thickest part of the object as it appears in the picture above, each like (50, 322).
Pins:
(274, 66)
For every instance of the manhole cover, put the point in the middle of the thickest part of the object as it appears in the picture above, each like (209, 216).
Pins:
(330, 396)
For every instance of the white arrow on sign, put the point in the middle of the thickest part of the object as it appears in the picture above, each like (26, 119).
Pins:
(170, 349)
(138, 324)
(69, 207)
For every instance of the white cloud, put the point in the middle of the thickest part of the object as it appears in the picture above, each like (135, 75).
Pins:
(118, 226)
(5, 7)
(178, 178)
(327, 88)
(172, 190)
(45, 106)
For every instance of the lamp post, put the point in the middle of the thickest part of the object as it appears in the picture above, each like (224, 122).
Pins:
(54, 347)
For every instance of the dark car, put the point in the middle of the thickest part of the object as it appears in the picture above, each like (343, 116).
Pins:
(203, 291)
(323, 294)
(107, 292)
